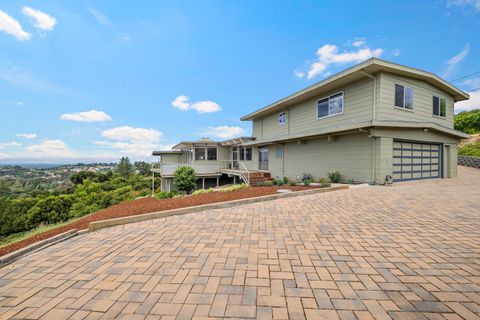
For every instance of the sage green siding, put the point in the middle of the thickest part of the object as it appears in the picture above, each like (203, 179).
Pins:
(357, 106)
(350, 154)
(422, 101)
(170, 158)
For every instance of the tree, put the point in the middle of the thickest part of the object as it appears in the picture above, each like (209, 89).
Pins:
(79, 177)
(142, 167)
(185, 179)
(468, 121)
(124, 167)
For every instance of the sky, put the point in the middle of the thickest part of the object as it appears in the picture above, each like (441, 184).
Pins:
(96, 80)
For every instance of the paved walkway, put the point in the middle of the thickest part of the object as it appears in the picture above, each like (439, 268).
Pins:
(403, 252)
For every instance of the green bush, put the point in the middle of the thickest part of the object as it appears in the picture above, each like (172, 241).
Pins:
(334, 176)
(166, 195)
(468, 121)
(202, 191)
(52, 209)
(292, 183)
(324, 183)
(286, 180)
(185, 179)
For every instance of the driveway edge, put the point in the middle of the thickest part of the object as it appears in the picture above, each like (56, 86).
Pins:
(96, 225)
(12, 256)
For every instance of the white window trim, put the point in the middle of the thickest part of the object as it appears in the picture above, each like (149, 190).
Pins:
(279, 123)
(331, 115)
(439, 116)
(404, 95)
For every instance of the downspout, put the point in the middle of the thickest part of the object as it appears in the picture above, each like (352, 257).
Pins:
(374, 115)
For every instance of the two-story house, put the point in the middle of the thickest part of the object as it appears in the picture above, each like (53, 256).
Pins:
(375, 122)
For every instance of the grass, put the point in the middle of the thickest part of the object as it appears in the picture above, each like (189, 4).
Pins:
(470, 149)
(5, 241)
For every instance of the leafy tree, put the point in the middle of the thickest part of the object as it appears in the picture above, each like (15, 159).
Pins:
(79, 177)
(468, 121)
(5, 189)
(185, 179)
(51, 209)
(142, 167)
(124, 167)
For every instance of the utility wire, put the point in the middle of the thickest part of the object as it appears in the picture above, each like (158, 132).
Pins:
(467, 76)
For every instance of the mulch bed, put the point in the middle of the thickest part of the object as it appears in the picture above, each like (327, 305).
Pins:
(147, 205)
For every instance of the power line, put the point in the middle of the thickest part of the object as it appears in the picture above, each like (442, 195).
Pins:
(467, 76)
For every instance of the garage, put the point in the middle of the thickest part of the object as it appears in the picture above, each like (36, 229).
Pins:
(414, 160)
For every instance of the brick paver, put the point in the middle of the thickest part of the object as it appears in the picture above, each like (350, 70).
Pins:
(409, 251)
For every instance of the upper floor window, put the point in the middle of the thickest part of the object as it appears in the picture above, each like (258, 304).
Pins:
(330, 106)
(439, 107)
(282, 118)
(403, 97)
(212, 153)
(200, 154)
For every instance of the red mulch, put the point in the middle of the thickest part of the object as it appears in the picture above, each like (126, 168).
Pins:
(146, 205)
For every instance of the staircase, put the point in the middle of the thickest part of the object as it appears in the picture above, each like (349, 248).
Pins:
(259, 176)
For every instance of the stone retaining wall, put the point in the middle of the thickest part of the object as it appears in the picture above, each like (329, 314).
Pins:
(469, 161)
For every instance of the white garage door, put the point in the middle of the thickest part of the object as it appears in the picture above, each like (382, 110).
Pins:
(416, 160)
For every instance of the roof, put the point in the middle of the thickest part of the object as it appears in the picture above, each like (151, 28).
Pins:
(355, 126)
(357, 72)
(159, 153)
(185, 145)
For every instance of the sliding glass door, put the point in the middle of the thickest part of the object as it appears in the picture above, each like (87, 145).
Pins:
(263, 158)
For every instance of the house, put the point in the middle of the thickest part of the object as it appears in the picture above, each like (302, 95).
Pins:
(377, 122)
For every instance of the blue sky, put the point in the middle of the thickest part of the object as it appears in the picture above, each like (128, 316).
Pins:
(95, 80)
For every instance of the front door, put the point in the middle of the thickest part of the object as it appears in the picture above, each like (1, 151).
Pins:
(263, 158)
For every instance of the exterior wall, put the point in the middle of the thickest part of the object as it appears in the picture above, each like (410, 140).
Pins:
(252, 164)
(170, 158)
(384, 150)
(357, 106)
(349, 154)
(422, 101)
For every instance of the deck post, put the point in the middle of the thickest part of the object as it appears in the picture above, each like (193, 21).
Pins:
(218, 182)
(153, 183)
(234, 179)
(203, 183)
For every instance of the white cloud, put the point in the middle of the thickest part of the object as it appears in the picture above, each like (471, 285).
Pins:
(41, 20)
(299, 74)
(225, 132)
(4, 145)
(395, 52)
(127, 133)
(27, 135)
(130, 141)
(465, 3)
(358, 42)
(329, 55)
(11, 26)
(455, 60)
(183, 103)
(49, 149)
(100, 17)
(472, 103)
(87, 116)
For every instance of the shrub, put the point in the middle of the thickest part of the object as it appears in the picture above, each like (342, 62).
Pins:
(468, 121)
(470, 149)
(269, 183)
(279, 182)
(285, 180)
(292, 183)
(307, 182)
(202, 191)
(51, 209)
(166, 195)
(334, 176)
(306, 176)
(324, 183)
(234, 187)
(185, 179)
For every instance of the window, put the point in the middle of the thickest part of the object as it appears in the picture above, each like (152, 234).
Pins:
(200, 154)
(403, 97)
(212, 153)
(330, 106)
(282, 118)
(439, 107)
(278, 152)
(242, 153)
(248, 153)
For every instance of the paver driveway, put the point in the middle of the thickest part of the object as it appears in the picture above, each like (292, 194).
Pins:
(407, 251)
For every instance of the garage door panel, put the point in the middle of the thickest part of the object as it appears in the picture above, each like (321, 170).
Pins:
(415, 160)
